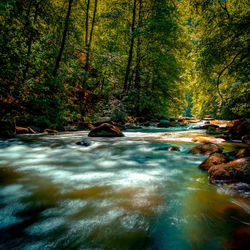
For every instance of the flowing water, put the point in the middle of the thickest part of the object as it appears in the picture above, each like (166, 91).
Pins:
(118, 193)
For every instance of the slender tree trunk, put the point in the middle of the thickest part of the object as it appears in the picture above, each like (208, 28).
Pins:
(87, 25)
(66, 25)
(138, 55)
(30, 41)
(130, 56)
(90, 37)
(103, 81)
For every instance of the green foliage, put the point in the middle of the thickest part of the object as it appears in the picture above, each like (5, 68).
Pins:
(185, 55)
(221, 47)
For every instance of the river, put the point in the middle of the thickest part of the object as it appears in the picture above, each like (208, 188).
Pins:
(118, 193)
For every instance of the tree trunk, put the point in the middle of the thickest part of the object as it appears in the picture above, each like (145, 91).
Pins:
(66, 25)
(30, 41)
(90, 37)
(130, 57)
(138, 55)
(87, 24)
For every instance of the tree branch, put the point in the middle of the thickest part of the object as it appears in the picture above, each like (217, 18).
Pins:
(221, 73)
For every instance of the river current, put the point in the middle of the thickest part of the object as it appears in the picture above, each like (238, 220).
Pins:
(118, 193)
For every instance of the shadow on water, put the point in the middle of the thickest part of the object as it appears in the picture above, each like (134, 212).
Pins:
(116, 194)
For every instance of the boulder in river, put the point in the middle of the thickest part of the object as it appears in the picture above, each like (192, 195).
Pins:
(206, 149)
(233, 171)
(239, 128)
(213, 159)
(106, 130)
(208, 139)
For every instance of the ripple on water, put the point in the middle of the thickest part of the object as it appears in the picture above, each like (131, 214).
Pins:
(118, 193)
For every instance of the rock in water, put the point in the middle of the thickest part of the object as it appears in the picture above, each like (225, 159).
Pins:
(84, 143)
(206, 149)
(50, 131)
(106, 130)
(242, 153)
(169, 148)
(213, 159)
(239, 128)
(233, 171)
(208, 139)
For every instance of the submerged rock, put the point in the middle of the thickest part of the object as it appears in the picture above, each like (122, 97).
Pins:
(168, 148)
(213, 159)
(208, 139)
(206, 149)
(106, 130)
(233, 171)
(84, 143)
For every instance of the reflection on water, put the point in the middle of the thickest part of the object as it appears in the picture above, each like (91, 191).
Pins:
(118, 193)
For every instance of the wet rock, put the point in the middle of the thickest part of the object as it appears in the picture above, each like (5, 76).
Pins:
(213, 159)
(21, 130)
(50, 131)
(213, 130)
(7, 128)
(208, 119)
(84, 143)
(168, 148)
(184, 123)
(239, 128)
(106, 130)
(208, 139)
(237, 154)
(206, 149)
(233, 171)
(194, 121)
(197, 126)
(166, 124)
(242, 153)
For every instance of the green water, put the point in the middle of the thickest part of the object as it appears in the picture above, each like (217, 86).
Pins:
(119, 193)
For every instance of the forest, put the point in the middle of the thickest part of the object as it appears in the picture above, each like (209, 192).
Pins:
(72, 61)
(124, 124)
